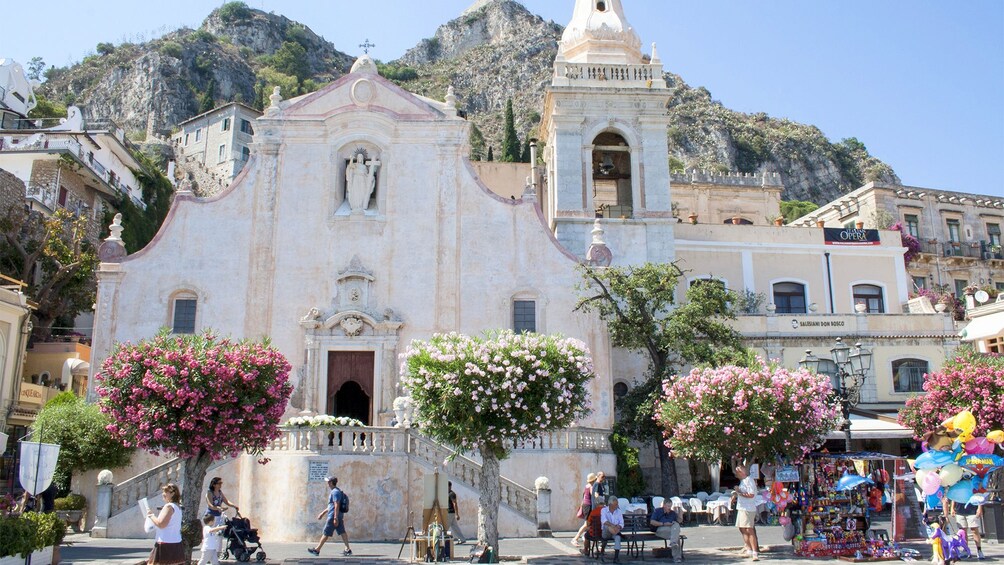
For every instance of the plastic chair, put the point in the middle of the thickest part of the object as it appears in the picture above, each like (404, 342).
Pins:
(623, 504)
(697, 508)
(657, 502)
(703, 496)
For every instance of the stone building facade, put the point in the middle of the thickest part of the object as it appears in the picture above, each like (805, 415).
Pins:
(214, 146)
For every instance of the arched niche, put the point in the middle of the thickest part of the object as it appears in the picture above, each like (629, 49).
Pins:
(611, 171)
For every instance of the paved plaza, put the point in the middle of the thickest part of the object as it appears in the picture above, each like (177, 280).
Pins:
(705, 544)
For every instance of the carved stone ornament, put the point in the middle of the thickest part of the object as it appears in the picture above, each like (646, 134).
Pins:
(352, 325)
(312, 319)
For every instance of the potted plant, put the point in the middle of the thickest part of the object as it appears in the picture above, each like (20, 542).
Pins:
(71, 509)
(779, 221)
(820, 223)
(693, 218)
(859, 225)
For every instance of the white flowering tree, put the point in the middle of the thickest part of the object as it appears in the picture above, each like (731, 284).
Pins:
(485, 393)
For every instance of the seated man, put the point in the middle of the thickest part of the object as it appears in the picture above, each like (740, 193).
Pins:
(613, 522)
(666, 524)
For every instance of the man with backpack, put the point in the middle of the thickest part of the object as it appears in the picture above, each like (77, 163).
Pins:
(338, 505)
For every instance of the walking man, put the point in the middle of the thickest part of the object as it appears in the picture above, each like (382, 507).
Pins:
(336, 519)
(454, 512)
(666, 524)
(746, 511)
(612, 519)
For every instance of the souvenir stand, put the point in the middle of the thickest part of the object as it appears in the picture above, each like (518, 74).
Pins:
(834, 499)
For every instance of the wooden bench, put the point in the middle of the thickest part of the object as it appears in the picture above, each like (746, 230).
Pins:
(636, 530)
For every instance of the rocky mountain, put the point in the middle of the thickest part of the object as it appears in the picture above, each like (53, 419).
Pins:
(494, 51)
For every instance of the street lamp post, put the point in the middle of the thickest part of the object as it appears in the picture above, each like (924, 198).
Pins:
(852, 366)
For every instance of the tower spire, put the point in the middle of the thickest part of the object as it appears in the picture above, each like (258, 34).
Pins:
(600, 33)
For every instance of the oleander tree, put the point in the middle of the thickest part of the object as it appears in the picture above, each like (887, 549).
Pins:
(199, 397)
(969, 380)
(486, 393)
(759, 412)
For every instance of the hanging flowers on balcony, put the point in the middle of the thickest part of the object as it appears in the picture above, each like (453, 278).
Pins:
(912, 244)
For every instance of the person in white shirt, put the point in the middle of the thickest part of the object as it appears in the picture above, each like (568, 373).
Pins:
(613, 522)
(210, 540)
(746, 511)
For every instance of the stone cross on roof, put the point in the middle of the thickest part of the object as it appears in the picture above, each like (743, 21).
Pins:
(367, 46)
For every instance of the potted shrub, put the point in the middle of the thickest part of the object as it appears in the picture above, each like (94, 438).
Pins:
(71, 509)
(33, 533)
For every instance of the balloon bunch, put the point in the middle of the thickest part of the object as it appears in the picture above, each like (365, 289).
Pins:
(956, 464)
(780, 496)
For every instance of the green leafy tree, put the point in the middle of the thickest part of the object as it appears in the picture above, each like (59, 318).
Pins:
(45, 108)
(80, 430)
(105, 48)
(35, 67)
(233, 11)
(477, 140)
(291, 59)
(484, 394)
(141, 224)
(794, 209)
(510, 140)
(207, 101)
(638, 305)
(53, 255)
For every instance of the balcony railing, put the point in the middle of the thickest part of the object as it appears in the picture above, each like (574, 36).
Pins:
(41, 142)
(964, 249)
(634, 75)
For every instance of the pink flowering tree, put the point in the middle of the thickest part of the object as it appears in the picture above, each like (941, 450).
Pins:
(760, 412)
(969, 381)
(484, 394)
(199, 397)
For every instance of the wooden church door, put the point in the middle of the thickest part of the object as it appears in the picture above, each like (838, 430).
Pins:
(350, 384)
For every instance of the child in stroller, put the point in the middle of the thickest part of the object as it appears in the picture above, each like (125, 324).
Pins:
(241, 540)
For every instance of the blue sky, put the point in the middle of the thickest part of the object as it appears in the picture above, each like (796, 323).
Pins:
(920, 83)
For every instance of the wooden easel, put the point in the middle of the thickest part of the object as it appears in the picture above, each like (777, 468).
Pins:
(409, 536)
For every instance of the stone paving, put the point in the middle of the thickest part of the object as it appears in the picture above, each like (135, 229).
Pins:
(705, 545)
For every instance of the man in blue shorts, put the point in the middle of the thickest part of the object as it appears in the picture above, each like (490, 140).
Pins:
(336, 520)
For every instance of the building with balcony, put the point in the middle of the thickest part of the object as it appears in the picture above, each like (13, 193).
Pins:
(16, 408)
(214, 146)
(959, 233)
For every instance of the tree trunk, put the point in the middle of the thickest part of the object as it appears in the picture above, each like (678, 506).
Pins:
(670, 484)
(488, 502)
(191, 498)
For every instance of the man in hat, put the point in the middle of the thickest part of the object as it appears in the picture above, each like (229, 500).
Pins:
(335, 519)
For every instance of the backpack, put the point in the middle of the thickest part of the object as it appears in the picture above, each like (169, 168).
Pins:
(343, 504)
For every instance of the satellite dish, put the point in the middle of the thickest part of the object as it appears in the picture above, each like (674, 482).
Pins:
(981, 296)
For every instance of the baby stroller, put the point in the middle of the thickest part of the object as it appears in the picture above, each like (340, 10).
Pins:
(241, 540)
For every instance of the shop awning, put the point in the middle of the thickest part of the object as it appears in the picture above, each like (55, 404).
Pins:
(863, 427)
(983, 327)
(73, 367)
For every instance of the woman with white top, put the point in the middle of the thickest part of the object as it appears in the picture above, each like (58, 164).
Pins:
(168, 550)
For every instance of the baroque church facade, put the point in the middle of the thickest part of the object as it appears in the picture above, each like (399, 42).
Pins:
(359, 224)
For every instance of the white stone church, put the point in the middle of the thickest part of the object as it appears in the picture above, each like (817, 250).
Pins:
(359, 224)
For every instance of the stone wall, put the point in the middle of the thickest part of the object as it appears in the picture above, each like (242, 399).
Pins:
(12, 190)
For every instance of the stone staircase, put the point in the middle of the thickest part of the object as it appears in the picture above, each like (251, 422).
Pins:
(463, 470)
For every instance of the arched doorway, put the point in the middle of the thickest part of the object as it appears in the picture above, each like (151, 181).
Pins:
(350, 384)
(351, 401)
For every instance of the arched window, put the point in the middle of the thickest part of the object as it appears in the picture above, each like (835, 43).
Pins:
(612, 197)
(184, 306)
(871, 296)
(789, 298)
(908, 375)
(620, 389)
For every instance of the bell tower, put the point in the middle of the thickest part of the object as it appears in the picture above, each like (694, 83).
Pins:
(605, 125)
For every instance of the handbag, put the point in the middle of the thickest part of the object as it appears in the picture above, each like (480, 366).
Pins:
(579, 514)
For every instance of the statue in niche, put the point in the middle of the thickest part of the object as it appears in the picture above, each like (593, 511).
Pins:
(360, 180)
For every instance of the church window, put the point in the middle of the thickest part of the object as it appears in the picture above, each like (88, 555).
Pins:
(524, 316)
(620, 389)
(184, 308)
(612, 188)
(225, 125)
(789, 298)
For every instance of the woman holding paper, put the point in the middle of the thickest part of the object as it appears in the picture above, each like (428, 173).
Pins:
(168, 550)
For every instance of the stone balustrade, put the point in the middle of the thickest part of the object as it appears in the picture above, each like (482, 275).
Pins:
(641, 76)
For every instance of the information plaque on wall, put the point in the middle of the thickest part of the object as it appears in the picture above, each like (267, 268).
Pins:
(317, 471)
